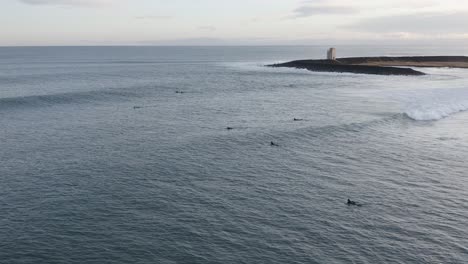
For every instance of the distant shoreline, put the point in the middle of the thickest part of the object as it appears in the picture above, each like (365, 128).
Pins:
(378, 65)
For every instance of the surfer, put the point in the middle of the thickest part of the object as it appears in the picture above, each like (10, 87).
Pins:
(298, 119)
(273, 144)
(353, 203)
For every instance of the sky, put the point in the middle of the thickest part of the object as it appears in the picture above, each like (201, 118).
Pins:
(231, 22)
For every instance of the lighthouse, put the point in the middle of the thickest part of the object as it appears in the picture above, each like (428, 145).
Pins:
(331, 54)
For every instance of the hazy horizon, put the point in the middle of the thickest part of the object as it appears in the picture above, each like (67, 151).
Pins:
(240, 23)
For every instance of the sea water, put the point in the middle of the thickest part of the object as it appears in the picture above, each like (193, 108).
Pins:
(121, 155)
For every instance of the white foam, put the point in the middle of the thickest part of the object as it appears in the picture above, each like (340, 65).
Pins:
(261, 67)
(436, 104)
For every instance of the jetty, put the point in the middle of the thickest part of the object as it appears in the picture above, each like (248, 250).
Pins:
(376, 65)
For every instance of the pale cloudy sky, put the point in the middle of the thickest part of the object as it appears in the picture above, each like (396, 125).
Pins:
(230, 22)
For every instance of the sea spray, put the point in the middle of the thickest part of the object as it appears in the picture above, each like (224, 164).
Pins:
(435, 104)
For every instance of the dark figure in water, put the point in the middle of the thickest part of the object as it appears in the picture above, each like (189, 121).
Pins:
(229, 128)
(137, 107)
(298, 119)
(353, 203)
(273, 144)
(179, 92)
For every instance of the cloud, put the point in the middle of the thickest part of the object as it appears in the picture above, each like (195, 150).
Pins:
(439, 23)
(207, 28)
(153, 17)
(187, 42)
(67, 2)
(314, 10)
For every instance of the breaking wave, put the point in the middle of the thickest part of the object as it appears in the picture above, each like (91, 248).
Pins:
(437, 104)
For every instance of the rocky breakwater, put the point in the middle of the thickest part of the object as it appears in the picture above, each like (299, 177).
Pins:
(338, 66)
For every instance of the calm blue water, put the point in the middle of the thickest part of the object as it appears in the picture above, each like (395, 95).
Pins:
(103, 162)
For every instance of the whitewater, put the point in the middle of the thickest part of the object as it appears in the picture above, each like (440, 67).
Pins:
(436, 104)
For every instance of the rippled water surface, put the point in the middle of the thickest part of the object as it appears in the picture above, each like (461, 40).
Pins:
(121, 155)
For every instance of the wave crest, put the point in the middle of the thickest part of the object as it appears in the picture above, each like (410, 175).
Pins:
(437, 104)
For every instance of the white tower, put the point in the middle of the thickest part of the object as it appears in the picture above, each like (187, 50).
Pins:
(331, 54)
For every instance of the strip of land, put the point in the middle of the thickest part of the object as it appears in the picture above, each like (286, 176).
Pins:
(422, 61)
(378, 65)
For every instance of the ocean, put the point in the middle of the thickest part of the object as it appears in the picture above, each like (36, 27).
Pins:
(122, 155)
